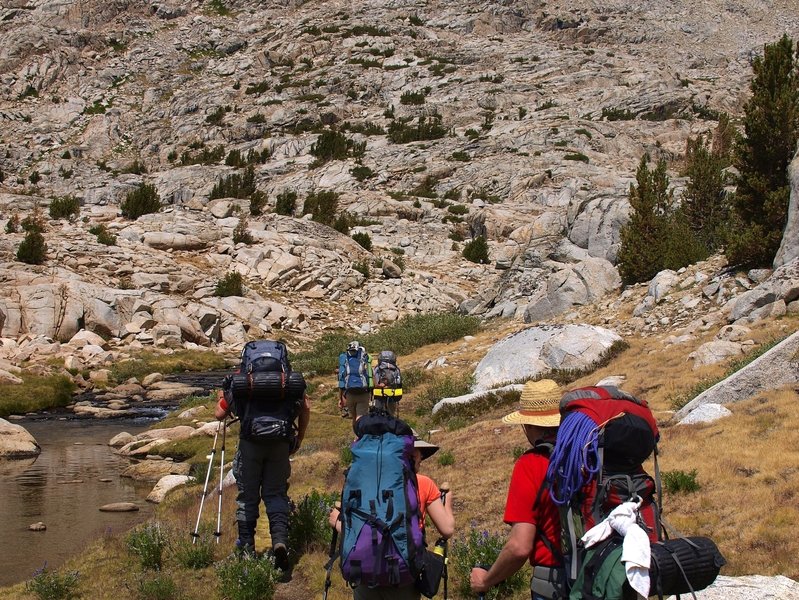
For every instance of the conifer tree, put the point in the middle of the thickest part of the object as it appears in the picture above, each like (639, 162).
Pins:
(704, 204)
(762, 155)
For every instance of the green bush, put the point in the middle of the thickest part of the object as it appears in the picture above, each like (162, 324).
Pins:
(103, 235)
(322, 206)
(476, 250)
(235, 185)
(33, 249)
(148, 542)
(143, 200)
(286, 201)
(414, 98)
(334, 145)
(230, 285)
(578, 156)
(680, 481)
(309, 529)
(194, 552)
(656, 237)
(482, 548)
(362, 173)
(50, 585)
(345, 455)
(445, 458)
(156, 587)
(12, 225)
(426, 128)
(257, 203)
(363, 239)
(247, 578)
(362, 267)
(461, 156)
(241, 234)
(66, 207)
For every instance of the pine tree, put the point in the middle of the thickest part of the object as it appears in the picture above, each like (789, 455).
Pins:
(704, 204)
(762, 156)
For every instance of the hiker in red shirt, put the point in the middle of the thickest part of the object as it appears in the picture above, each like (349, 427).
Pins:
(529, 510)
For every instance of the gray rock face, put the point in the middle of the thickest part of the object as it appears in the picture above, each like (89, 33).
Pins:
(537, 350)
(775, 368)
(789, 248)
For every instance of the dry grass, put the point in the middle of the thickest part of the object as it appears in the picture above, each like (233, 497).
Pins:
(746, 466)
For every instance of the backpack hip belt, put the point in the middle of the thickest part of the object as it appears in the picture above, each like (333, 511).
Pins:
(548, 582)
(388, 392)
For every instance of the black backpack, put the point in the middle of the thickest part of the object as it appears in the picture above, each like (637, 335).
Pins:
(266, 394)
(389, 375)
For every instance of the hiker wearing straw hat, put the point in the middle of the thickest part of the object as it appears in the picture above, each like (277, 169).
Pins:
(529, 510)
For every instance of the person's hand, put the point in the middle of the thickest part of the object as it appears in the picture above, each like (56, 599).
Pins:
(333, 517)
(341, 400)
(295, 445)
(477, 580)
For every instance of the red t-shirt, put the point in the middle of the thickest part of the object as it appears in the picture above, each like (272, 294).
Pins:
(528, 476)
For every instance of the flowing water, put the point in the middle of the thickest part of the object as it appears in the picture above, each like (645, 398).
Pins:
(64, 488)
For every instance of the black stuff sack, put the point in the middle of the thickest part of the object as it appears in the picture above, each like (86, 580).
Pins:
(683, 565)
(431, 573)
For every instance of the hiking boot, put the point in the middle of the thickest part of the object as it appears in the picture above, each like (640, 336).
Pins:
(281, 554)
(243, 548)
(246, 542)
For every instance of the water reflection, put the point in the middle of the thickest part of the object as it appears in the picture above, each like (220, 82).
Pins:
(62, 488)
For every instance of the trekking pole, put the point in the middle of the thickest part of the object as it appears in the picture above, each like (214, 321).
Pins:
(331, 554)
(218, 532)
(444, 491)
(482, 595)
(195, 534)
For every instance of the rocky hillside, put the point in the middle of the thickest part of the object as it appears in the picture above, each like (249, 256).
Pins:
(519, 121)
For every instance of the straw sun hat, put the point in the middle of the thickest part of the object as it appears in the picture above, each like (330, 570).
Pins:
(540, 405)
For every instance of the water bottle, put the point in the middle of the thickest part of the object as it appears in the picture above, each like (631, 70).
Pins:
(439, 547)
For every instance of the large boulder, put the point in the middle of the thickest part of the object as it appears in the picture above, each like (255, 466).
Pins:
(774, 369)
(789, 248)
(748, 587)
(16, 442)
(537, 350)
(165, 485)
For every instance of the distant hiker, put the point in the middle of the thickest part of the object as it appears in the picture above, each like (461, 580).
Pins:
(388, 382)
(383, 493)
(270, 400)
(529, 510)
(355, 380)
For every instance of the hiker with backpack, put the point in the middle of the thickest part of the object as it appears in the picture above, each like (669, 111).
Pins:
(274, 410)
(355, 381)
(388, 383)
(529, 510)
(384, 504)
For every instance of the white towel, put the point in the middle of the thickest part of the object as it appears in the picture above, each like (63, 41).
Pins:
(635, 553)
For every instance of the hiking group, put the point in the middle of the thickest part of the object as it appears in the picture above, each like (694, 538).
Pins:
(581, 508)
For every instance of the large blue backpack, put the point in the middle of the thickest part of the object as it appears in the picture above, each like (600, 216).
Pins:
(382, 543)
(354, 371)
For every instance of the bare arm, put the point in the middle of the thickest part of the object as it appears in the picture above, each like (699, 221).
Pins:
(302, 421)
(222, 410)
(514, 554)
(442, 517)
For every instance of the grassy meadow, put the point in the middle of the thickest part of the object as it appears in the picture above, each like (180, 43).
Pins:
(740, 464)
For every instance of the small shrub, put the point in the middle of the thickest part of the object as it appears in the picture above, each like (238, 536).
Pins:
(518, 451)
(247, 578)
(148, 543)
(33, 249)
(476, 250)
(579, 156)
(136, 167)
(12, 226)
(235, 185)
(49, 585)
(66, 207)
(34, 177)
(103, 235)
(680, 481)
(242, 235)
(363, 239)
(345, 456)
(362, 267)
(414, 98)
(617, 114)
(285, 203)
(309, 529)
(334, 145)
(143, 200)
(362, 173)
(321, 206)
(426, 128)
(191, 552)
(482, 548)
(156, 587)
(461, 156)
(257, 203)
(230, 285)
(445, 458)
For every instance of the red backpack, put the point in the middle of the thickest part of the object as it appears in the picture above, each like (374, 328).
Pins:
(605, 435)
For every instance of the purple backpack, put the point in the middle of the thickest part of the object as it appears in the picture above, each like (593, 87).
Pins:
(382, 543)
